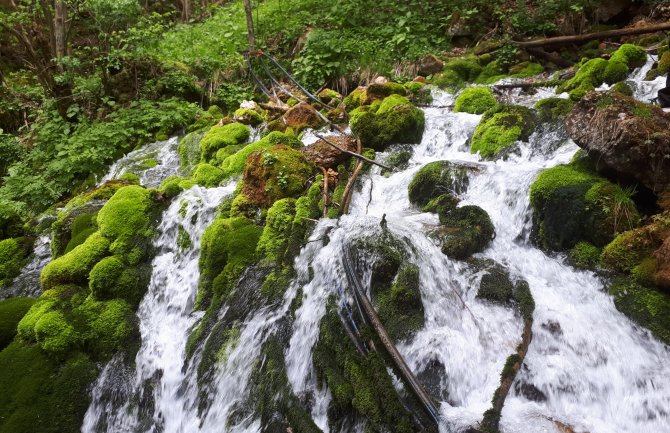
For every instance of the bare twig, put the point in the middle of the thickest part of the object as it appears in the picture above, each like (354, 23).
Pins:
(354, 154)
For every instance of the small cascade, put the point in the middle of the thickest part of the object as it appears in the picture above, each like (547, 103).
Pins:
(153, 400)
(28, 281)
(153, 163)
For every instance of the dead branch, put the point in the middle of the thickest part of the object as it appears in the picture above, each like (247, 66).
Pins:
(356, 155)
(591, 36)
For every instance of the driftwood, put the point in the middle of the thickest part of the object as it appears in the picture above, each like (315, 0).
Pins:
(349, 188)
(525, 85)
(591, 36)
(356, 155)
(325, 191)
(549, 57)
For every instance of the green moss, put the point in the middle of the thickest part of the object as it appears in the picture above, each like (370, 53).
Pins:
(12, 311)
(524, 299)
(106, 327)
(40, 394)
(234, 164)
(466, 230)
(54, 334)
(626, 250)
(584, 255)
(12, 259)
(329, 96)
(208, 175)
(643, 305)
(496, 285)
(248, 116)
(449, 80)
(110, 278)
(148, 163)
(630, 55)
(174, 185)
(184, 242)
(227, 247)
(189, 149)
(400, 307)
(435, 179)
(275, 173)
(526, 70)
(588, 77)
(127, 213)
(571, 204)
(75, 265)
(442, 204)
(664, 63)
(553, 110)
(615, 72)
(221, 136)
(475, 100)
(395, 121)
(491, 73)
(645, 272)
(358, 384)
(274, 241)
(83, 226)
(500, 128)
(206, 119)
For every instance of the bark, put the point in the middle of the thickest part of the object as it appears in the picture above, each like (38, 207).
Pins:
(250, 25)
(560, 40)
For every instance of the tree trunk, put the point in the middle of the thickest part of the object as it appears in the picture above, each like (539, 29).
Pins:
(591, 36)
(186, 10)
(250, 25)
(59, 29)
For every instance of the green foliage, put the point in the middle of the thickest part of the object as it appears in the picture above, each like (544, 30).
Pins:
(475, 100)
(500, 128)
(12, 311)
(221, 136)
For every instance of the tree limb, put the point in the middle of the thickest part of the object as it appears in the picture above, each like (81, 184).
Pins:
(356, 155)
(591, 36)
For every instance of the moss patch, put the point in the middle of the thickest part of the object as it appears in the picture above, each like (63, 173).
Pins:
(234, 164)
(221, 136)
(11, 312)
(465, 230)
(475, 100)
(75, 266)
(394, 120)
(435, 179)
(553, 110)
(13, 255)
(500, 128)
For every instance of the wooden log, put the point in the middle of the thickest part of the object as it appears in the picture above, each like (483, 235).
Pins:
(559, 40)
(354, 154)
(549, 57)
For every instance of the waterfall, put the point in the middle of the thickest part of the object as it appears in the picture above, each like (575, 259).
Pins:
(588, 366)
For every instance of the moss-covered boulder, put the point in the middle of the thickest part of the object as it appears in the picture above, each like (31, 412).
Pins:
(302, 116)
(495, 285)
(500, 128)
(465, 230)
(111, 278)
(394, 120)
(437, 178)
(106, 327)
(74, 225)
(584, 255)
(630, 55)
(374, 92)
(208, 175)
(553, 110)
(219, 137)
(13, 256)
(329, 97)
(571, 203)
(75, 266)
(475, 100)
(247, 116)
(189, 149)
(11, 312)
(644, 305)
(233, 165)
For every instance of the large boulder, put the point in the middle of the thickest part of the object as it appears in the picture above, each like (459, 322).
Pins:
(437, 178)
(393, 120)
(626, 138)
(302, 116)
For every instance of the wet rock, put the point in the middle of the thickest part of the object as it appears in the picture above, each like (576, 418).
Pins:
(530, 391)
(500, 128)
(553, 327)
(431, 379)
(330, 97)
(302, 116)
(496, 285)
(393, 120)
(465, 231)
(429, 65)
(324, 155)
(625, 138)
(437, 178)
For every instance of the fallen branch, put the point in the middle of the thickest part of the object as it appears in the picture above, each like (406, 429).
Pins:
(349, 188)
(354, 154)
(591, 36)
(325, 192)
(526, 85)
(549, 57)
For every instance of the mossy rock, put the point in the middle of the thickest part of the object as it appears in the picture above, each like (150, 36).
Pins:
(111, 279)
(208, 175)
(495, 285)
(355, 99)
(615, 72)
(275, 173)
(584, 255)
(465, 230)
(189, 149)
(206, 119)
(13, 256)
(12, 311)
(248, 116)
(571, 203)
(394, 120)
(75, 266)
(227, 247)
(630, 55)
(358, 384)
(475, 100)
(302, 116)
(500, 128)
(41, 394)
(623, 88)
(221, 136)
(174, 185)
(589, 76)
(663, 64)
(129, 212)
(553, 110)
(74, 224)
(645, 306)
(399, 306)
(234, 164)
(437, 178)
(329, 97)
(418, 93)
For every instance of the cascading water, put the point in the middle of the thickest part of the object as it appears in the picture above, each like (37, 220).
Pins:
(28, 281)
(591, 369)
(166, 317)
